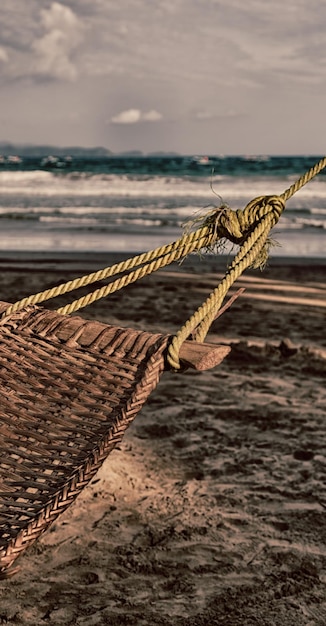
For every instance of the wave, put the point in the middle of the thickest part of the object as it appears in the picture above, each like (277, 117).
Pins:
(316, 211)
(13, 179)
(98, 211)
(233, 190)
(129, 217)
(301, 225)
(150, 212)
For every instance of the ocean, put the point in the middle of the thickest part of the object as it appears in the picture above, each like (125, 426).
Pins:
(131, 204)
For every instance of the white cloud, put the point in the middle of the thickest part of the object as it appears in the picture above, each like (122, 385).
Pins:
(134, 116)
(204, 115)
(3, 55)
(151, 116)
(131, 116)
(54, 50)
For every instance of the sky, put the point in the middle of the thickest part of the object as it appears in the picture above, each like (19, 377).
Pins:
(190, 76)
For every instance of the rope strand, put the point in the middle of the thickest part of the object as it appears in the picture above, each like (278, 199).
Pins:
(190, 242)
(304, 179)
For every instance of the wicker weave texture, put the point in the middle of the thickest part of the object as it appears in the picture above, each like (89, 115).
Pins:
(68, 390)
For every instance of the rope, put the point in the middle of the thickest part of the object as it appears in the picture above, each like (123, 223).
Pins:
(249, 228)
(163, 255)
(254, 224)
(305, 178)
(181, 248)
(200, 322)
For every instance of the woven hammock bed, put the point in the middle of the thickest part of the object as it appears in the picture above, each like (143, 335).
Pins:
(69, 387)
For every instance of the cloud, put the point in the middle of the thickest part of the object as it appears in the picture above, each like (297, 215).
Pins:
(131, 116)
(3, 55)
(234, 43)
(53, 52)
(204, 114)
(151, 116)
(134, 116)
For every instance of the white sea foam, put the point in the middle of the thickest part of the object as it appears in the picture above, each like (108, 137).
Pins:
(79, 211)
(230, 189)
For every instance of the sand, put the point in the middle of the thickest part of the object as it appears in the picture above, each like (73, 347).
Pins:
(212, 511)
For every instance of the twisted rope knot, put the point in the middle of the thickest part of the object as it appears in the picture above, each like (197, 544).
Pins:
(238, 225)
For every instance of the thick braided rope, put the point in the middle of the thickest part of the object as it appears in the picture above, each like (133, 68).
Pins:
(256, 249)
(199, 323)
(162, 256)
(185, 246)
(253, 247)
(221, 223)
(304, 179)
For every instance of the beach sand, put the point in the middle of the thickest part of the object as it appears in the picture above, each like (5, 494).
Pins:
(212, 510)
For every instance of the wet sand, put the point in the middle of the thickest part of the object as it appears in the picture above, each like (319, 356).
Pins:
(213, 508)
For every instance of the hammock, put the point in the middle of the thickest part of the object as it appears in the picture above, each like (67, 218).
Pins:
(70, 387)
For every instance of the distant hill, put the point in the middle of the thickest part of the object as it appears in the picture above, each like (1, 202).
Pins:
(130, 153)
(31, 150)
(25, 150)
(161, 153)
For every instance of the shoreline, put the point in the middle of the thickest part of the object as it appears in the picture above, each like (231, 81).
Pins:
(97, 260)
